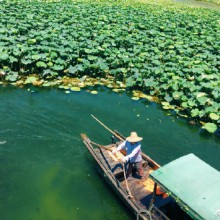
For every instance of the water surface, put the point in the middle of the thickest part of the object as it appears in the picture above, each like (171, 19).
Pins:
(46, 173)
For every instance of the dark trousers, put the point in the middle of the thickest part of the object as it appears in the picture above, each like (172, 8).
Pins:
(138, 166)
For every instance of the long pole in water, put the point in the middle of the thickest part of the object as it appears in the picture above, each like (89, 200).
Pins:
(120, 138)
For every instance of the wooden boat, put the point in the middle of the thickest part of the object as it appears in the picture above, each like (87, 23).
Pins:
(154, 197)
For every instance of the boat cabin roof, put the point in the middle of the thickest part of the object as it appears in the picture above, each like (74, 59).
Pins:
(193, 184)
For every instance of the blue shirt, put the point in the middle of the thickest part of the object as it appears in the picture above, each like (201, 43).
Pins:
(133, 151)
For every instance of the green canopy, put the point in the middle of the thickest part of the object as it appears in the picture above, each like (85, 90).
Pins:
(193, 184)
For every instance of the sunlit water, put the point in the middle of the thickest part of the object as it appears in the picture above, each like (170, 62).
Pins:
(46, 173)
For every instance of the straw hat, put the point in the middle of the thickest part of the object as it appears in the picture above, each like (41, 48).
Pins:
(134, 137)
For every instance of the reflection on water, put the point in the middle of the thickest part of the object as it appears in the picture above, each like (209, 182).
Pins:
(46, 171)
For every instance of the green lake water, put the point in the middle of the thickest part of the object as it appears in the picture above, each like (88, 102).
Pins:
(46, 173)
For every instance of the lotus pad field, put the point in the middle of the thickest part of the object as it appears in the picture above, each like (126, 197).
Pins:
(165, 50)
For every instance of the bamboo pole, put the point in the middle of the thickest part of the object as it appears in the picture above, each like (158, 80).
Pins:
(120, 138)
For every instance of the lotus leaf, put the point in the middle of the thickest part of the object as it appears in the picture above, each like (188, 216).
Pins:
(168, 98)
(142, 95)
(165, 103)
(94, 92)
(130, 82)
(13, 59)
(200, 94)
(177, 95)
(135, 98)
(202, 100)
(47, 84)
(57, 67)
(12, 77)
(31, 41)
(26, 61)
(75, 89)
(41, 64)
(36, 57)
(110, 86)
(30, 79)
(4, 56)
(191, 103)
(124, 40)
(210, 127)
(195, 112)
(214, 116)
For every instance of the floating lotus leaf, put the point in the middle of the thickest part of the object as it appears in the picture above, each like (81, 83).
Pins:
(67, 92)
(136, 93)
(168, 107)
(12, 77)
(110, 86)
(182, 115)
(177, 95)
(142, 95)
(36, 57)
(135, 98)
(210, 127)
(38, 82)
(100, 83)
(94, 92)
(81, 84)
(19, 82)
(88, 83)
(47, 84)
(174, 69)
(150, 98)
(41, 64)
(30, 79)
(4, 56)
(195, 112)
(75, 89)
(214, 116)
(165, 103)
(200, 94)
(203, 100)
(118, 90)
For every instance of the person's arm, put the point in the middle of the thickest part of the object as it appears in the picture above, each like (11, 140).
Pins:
(120, 146)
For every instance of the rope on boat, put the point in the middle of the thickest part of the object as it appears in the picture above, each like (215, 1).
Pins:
(126, 182)
(144, 211)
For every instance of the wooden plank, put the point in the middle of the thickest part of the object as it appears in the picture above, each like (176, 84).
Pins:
(115, 167)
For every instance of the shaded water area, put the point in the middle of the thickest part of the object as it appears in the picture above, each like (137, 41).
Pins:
(46, 173)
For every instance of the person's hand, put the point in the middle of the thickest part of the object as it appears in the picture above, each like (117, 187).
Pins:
(114, 151)
(124, 159)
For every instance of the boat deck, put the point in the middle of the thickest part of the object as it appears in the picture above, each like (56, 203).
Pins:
(140, 189)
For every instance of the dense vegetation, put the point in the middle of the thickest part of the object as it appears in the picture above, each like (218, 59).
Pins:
(212, 1)
(167, 51)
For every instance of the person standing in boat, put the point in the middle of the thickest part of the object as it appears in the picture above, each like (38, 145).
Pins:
(133, 156)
